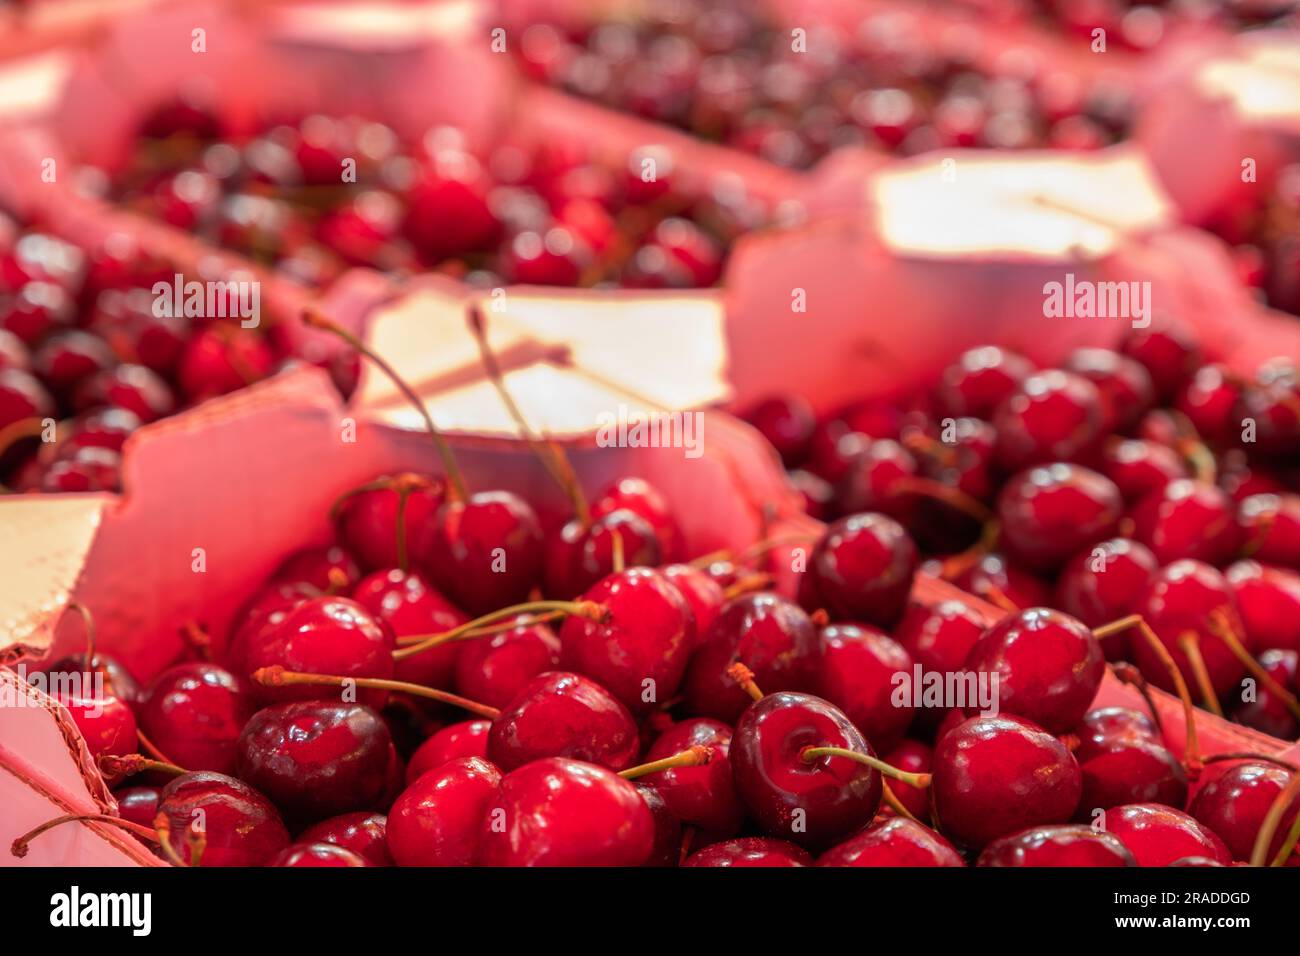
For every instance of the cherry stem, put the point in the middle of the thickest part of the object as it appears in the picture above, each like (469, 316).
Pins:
(15, 432)
(894, 803)
(619, 561)
(1272, 820)
(1221, 627)
(197, 842)
(958, 564)
(149, 747)
(277, 676)
(128, 765)
(317, 321)
(743, 676)
(197, 639)
(418, 643)
(918, 780)
(338, 582)
(19, 847)
(548, 453)
(1193, 746)
(403, 493)
(490, 629)
(1190, 645)
(696, 756)
(1262, 758)
(968, 505)
(998, 597)
(755, 550)
(88, 660)
(163, 826)
(1132, 676)
(748, 584)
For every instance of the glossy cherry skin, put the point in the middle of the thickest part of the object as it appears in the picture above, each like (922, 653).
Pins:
(750, 852)
(862, 569)
(86, 469)
(876, 481)
(22, 396)
(771, 636)
(914, 757)
(241, 826)
(787, 422)
(702, 593)
(580, 556)
(117, 679)
(326, 635)
(486, 551)
(1047, 514)
(436, 820)
(1124, 384)
(1052, 416)
(264, 611)
(194, 712)
(995, 576)
(818, 802)
(561, 812)
(466, 739)
(1103, 583)
(366, 522)
(363, 832)
(1129, 769)
(1270, 528)
(408, 604)
(138, 804)
(667, 849)
(859, 664)
(133, 387)
(316, 759)
(1269, 601)
(703, 796)
(493, 669)
(978, 382)
(993, 776)
(1187, 519)
(1105, 726)
(893, 842)
(560, 714)
(1139, 467)
(105, 721)
(1048, 664)
(316, 856)
(1234, 804)
(1168, 354)
(939, 636)
(327, 569)
(1268, 713)
(1062, 845)
(1209, 400)
(639, 650)
(1157, 835)
(646, 501)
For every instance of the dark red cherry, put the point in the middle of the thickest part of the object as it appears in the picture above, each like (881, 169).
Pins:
(994, 776)
(22, 396)
(771, 636)
(638, 650)
(493, 669)
(1179, 602)
(862, 569)
(86, 469)
(1187, 519)
(35, 310)
(1103, 583)
(1168, 354)
(466, 739)
(877, 480)
(1052, 416)
(194, 712)
(240, 826)
(132, 387)
(703, 796)
(1047, 514)
(751, 852)
(1267, 712)
(560, 812)
(1124, 384)
(1061, 845)
(977, 383)
(1129, 769)
(407, 605)
(1139, 467)
(106, 428)
(138, 804)
(558, 714)
(582, 554)
(316, 855)
(858, 675)
(1269, 601)
(814, 802)
(939, 636)
(644, 500)
(448, 212)
(104, 720)
(999, 580)
(363, 832)
(65, 358)
(221, 359)
(912, 756)
(1234, 804)
(1270, 528)
(702, 593)
(1107, 725)
(325, 635)
(787, 422)
(1273, 407)
(486, 552)
(437, 818)
(1209, 400)
(327, 569)
(316, 758)
(893, 842)
(1157, 835)
(265, 610)
(366, 521)
(667, 849)
(117, 680)
(1048, 666)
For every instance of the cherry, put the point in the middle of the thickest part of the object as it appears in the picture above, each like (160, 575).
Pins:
(1062, 845)
(1209, 400)
(448, 211)
(264, 611)
(913, 757)
(1124, 384)
(316, 758)
(86, 469)
(22, 396)
(771, 636)
(221, 359)
(639, 649)
(1157, 835)
(1234, 804)
(994, 776)
(1139, 467)
(436, 820)
(13, 353)
(1052, 416)
(327, 635)
(1130, 769)
(1270, 528)
(648, 503)
(1274, 409)
(362, 832)
(939, 636)
(977, 383)
(1003, 582)
(486, 551)
(787, 422)
(1267, 712)
(133, 387)
(304, 854)
(138, 804)
(495, 668)
(561, 812)
(1048, 513)
(894, 842)
(65, 358)
(36, 310)
(1187, 519)
(585, 552)
(240, 826)
(702, 593)
(667, 848)
(878, 479)
(1269, 601)
(1103, 583)
(327, 569)
(862, 569)
(466, 739)
(408, 605)
(1048, 667)
(558, 714)
(858, 675)
(1168, 354)
(703, 796)
(750, 852)
(117, 679)
(1104, 726)
(194, 712)
(365, 519)
(105, 721)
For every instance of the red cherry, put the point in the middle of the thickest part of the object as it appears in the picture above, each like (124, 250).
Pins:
(1234, 804)
(702, 796)
(1129, 768)
(1187, 519)
(65, 358)
(408, 605)
(240, 826)
(667, 848)
(913, 757)
(104, 720)
(978, 382)
(264, 611)
(582, 554)
(858, 669)
(751, 852)
(559, 812)
(1168, 354)
(787, 422)
(315, 758)
(1124, 384)
(1157, 835)
(702, 593)
(448, 212)
(1269, 601)
(194, 712)
(87, 469)
(638, 650)
(486, 551)
(1274, 409)
(895, 842)
(1048, 513)
(1052, 416)
(1104, 583)
(330, 568)
(1064, 845)
(878, 480)
(36, 310)
(1268, 713)
(994, 776)
(939, 636)
(1139, 467)
(362, 832)
(107, 428)
(22, 396)
(13, 353)
(436, 820)
(466, 739)
(1209, 401)
(994, 578)
(138, 804)
(862, 569)
(132, 387)
(771, 636)
(221, 359)
(495, 668)
(647, 502)
(316, 855)
(564, 715)
(1270, 528)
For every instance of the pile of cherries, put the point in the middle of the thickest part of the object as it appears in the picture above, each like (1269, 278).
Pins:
(1141, 25)
(721, 71)
(1265, 239)
(319, 195)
